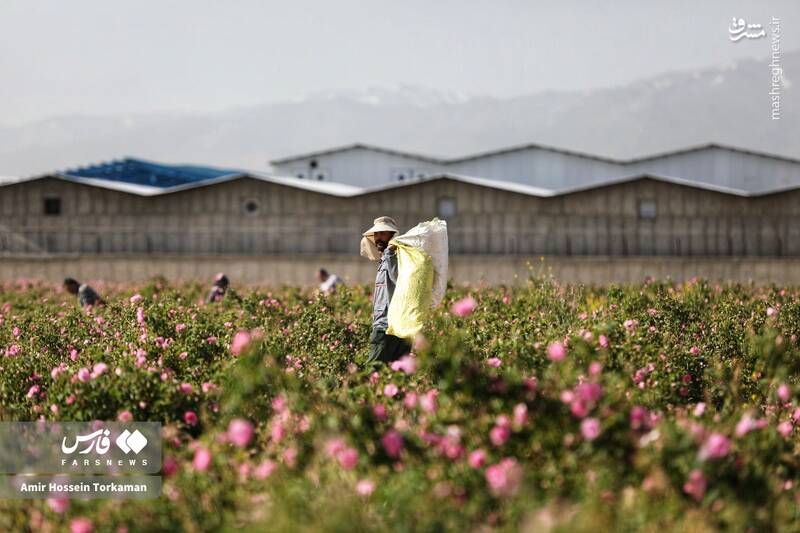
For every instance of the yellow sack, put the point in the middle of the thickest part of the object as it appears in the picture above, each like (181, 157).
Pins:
(411, 301)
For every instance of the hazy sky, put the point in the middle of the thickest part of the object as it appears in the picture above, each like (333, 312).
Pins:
(62, 57)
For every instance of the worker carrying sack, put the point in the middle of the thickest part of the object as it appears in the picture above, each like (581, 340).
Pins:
(421, 277)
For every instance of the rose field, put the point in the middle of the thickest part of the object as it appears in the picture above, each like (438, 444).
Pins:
(661, 406)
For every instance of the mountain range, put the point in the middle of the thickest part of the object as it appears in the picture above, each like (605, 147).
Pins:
(728, 104)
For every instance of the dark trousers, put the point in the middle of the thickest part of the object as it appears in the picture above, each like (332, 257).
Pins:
(386, 348)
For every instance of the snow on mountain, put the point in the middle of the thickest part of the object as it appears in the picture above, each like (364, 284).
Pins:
(728, 105)
(391, 95)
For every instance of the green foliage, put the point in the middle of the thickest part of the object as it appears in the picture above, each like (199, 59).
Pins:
(660, 368)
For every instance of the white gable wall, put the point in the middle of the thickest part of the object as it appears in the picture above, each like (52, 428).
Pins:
(729, 168)
(538, 167)
(359, 166)
(552, 170)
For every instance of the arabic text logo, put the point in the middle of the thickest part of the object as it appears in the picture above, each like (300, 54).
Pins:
(98, 440)
(100, 443)
(740, 30)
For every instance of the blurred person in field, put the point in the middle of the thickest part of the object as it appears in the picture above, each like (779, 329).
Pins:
(328, 282)
(375, 246)
(86, 295)
(218, 289)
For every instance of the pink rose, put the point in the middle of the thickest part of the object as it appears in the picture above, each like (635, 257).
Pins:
(590, 428)
(464, 307)
(638, 418)
(169, 466)
(407, 364)
(202, 459)
(477, 458)
(556, 351)
(190, 417)
(125, 416)
(589, 392)
(99, 369)
(334, 446)
(428, 401)
(695, 486)
(578, 408)
(240, 342)
(348, 458)
(390, 390)
(290, 457)
(602, 340)
(365, 487)
(84, 375)
(58, 505)
(494, 362)
(504, 478)
(240, 432)
(747, 424)
(785, 428)
(784, 392)
(81, 525)
(392, 443)
(499, 435)
(12, 350)
(379, 411)
(186, 388)
(716, 446)
(520, 414)
(264, 470)
(410, 400)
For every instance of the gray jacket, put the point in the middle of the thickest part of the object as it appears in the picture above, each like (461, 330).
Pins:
(87, 296)
(384, 289)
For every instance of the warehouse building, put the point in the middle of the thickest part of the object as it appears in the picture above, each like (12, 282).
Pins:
(712, 211)
(255, 214)
(545, 167)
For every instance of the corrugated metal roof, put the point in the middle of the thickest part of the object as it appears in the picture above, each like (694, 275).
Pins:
(532, 146)
(141, 172)
(347, 191)
(359, 146)
(322, 187)
(330, 188)
(708, 146)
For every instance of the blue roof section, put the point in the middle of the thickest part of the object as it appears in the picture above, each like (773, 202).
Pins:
(141, 172)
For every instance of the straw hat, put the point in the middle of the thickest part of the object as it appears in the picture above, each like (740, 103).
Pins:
(368, 248)
(381, 224)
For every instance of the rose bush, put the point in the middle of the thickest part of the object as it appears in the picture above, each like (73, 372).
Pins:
(532, 407)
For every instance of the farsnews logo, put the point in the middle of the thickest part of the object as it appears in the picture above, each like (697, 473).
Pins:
(131, 442)
(99, 443)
